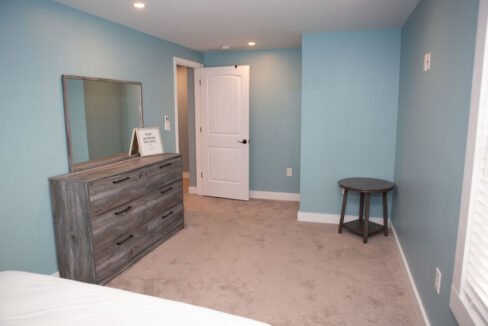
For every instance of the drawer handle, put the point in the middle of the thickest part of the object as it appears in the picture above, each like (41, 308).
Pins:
(127, 239)
(124, 210)
(165, 165)
(121, 180)
(166, 190)
(165, 216)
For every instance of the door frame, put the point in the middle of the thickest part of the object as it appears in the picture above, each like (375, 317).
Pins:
(195, 65)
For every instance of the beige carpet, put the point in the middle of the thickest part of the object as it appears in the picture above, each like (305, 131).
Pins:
(255, 260)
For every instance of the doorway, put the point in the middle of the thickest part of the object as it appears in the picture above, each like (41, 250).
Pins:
(212, 128)
(224, 133)
(185, 138)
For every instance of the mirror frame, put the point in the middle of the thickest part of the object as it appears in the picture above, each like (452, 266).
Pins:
(75, 167)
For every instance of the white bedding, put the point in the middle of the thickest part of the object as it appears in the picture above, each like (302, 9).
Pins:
(33, 299)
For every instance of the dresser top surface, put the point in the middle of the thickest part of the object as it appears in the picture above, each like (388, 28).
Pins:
(114, 168)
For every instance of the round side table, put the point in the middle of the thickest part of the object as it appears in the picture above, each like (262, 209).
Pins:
(366, 187)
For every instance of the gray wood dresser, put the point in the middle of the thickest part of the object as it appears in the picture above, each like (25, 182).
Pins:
(108, 217)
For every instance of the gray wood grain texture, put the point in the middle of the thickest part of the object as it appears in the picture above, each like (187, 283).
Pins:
(102, 226)
(170, 231)
(116, 168)
(112, 255)
(74, 245)
(116, 190)
(120, 220)
(164, 197)
(165, 173)
(159, 223)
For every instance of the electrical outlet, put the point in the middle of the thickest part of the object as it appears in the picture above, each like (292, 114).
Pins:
(289, 172)
(437, 282)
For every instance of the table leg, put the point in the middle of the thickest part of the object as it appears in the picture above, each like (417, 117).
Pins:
(366, 218)
(361, 207)
(385, 214)
(343, 210)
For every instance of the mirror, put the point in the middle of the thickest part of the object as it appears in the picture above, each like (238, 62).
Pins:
(99, 116)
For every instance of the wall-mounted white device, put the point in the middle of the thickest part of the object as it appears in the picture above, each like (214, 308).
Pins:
(167, 123)
(427, 61)
(437, 281)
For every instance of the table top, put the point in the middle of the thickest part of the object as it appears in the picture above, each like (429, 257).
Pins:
(366, 184)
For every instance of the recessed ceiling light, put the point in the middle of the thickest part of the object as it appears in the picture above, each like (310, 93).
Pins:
(225, 47)
(139, 5)
(251, 43)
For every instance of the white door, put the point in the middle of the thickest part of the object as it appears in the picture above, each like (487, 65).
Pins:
(224, 133)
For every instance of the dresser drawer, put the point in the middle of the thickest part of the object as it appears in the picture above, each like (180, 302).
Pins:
(112, 255)
(163, 198)
(166, 223)
(163, 173)
(118, 221)
(111, 192)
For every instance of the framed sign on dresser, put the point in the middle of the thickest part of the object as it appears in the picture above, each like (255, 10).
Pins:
(108, 217)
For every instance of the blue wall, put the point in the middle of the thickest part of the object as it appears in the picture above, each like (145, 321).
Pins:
(349, 112)
(40, 41)
(275, 86)
(432, 131)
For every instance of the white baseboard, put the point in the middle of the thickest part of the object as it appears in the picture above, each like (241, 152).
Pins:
(286, 196)
(412, 281)
(55, 274)
(186, 175)
(331, 218)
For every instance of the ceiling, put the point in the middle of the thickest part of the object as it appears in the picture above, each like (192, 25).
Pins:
(206, 25)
